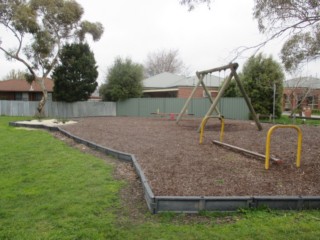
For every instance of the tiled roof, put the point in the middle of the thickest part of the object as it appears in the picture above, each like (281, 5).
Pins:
(162, 80)
(170, 80)
(303, 82)
(15, 85)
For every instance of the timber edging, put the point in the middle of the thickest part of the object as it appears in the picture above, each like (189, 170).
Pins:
(194, 204)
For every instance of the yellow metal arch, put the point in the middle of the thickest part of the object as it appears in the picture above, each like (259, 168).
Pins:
(204, 123)
(299, 147)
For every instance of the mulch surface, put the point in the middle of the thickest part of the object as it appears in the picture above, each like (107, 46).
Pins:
(176, 165)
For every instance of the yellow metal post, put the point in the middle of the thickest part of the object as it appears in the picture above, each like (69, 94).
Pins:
(222, 129)
(299, 147)
(202, 126)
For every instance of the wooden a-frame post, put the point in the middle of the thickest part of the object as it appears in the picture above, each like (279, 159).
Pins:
(200, 77)
(233, 67)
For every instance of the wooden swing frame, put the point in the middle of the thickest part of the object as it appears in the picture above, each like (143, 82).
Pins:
(214, 102)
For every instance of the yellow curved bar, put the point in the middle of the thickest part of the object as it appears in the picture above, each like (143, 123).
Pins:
(204, 123)
(268, 141)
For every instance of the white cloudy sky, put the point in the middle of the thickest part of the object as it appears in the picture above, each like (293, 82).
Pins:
(205, 38)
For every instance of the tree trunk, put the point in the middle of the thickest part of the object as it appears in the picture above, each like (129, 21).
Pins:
(42, 103)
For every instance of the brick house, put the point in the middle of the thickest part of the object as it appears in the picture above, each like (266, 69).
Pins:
(304, 90)
(15, 89)
(176, 86)
(21, 90)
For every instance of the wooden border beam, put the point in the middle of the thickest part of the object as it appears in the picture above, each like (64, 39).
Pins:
(245, 151)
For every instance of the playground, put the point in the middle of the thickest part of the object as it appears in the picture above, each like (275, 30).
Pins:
(175, 164)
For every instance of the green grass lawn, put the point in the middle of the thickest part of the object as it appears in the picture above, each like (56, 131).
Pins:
(287, 120)
(49, 190)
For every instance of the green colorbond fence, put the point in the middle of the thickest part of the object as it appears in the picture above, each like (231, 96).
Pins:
(231, 108)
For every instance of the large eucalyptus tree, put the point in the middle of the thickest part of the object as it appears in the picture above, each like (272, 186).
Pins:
(41, 28)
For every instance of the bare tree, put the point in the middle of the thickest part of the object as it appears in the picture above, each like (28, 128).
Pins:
(164, 61)
(15, 74)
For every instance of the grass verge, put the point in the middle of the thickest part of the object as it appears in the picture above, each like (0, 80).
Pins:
(284, 119)
(49, 190)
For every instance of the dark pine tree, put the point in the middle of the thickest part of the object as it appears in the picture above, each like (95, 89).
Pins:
(75, 75)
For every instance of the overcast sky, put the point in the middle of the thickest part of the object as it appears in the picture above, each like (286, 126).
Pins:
(205, 38)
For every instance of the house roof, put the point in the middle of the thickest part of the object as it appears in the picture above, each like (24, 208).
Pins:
(170, 80)
(20, 85)
(303, 82)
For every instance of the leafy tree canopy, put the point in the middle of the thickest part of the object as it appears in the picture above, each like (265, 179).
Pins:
(298, 18)
(41, 28)
(232, 89)
(259, 76)
(75, 75)
(124, 80)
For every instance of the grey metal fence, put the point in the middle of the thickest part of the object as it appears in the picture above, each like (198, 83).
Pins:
(59, 109)
(232, 108)
(81, 109)
(18, 108)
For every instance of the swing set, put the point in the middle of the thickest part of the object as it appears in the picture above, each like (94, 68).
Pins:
(214, 102)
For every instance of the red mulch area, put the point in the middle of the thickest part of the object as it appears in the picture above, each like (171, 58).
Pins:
(176, 165)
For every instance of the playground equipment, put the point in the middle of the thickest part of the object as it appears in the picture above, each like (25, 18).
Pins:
(266, 157)
(245, 151)
(214, 102)
(267, 162)
(203, 124)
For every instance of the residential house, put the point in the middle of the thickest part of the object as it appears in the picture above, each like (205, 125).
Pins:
(177, 86)
(304, 90)
(21, 90)
(95, 96)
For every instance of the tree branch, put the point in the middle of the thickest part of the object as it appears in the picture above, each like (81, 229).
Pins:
(260, 45)
(16, 57)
